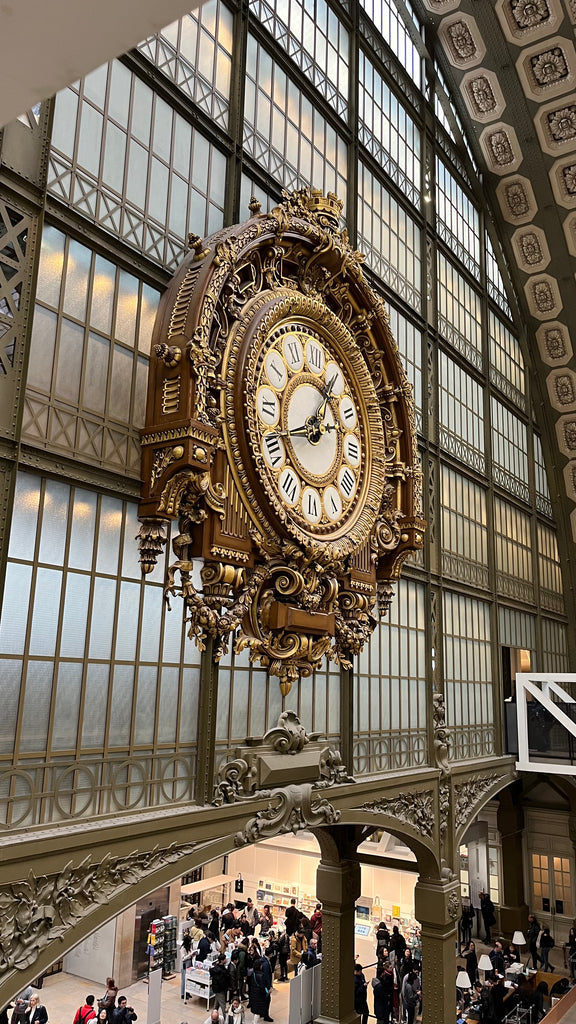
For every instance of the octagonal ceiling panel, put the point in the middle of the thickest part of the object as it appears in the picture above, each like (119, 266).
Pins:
(547, 69)
(517, 200)
(523, 21)
(483, 95)
(462, 41)
(554, 343)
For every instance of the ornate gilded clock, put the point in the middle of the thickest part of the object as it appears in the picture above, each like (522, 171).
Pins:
(280, 433)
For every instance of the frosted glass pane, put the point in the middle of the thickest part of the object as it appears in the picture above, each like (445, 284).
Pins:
(139, 402)
(240, 707)
(127, 308)
(14, 617)
(70, 351)
(168, 708)
(65, 114)
(96, 374)
(10, 676)
(46, 609)
(114, 157)
(109, 535)
(102, 618)
(172, 632)
(120, 384)
(306, 703)
(258, 704)
(137, 175)
(121, 707)
(130, 563)
(274, 705)
(128, 614)
(37, 697)
(51, 264)
(24, 516)
(54, 522)
(148, 307)
(95, 85)
(82, 532)
(189, 706)
(145, 705)
(141, 111)
(42, 344)
(102, 294)
(95, 700)
(77, 274)
(75, 619)
(158, 194)
(119, 94)
(152, 624)
(90, 139)
(67, 707)
(162, 129)
(223, 705)
(334, 700)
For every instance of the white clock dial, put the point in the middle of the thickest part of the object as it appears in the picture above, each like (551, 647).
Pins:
(268, 406)
(314, 356)
(332, 504)
(346, 483)
(315, 459)
(273, 450)
(347, 411)
(334, 374)
(352, 450)
(275, 370)
(289, 486)
(311, 505)
(293, 352)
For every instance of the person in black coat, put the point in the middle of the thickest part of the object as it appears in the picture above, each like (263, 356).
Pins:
(36, 1012)
(204, 947)
(383, 992)
(471, 958)
(259, 995)
(214, 925)
(292, 918)
(532, 939)
(122, 1014)
(487, 911)
(397, 944)
(220, 983)
(360, 1001)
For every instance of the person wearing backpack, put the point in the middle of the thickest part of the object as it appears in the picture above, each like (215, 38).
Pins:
(546, 944)
(86, 1012)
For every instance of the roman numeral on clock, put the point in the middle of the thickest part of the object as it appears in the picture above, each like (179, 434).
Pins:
(274, 449)
(289, 486)
(347, 481)
(315, 357)
(294, 353)
(312, 504)
(353, 449)
(269, 407)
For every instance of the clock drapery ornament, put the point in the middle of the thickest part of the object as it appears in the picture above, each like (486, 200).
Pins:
(280, 434)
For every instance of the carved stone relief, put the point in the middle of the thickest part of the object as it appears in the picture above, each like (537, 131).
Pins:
(563, 181)
(483, 95)
(547, 69)
(554, 343)
(289, 809)
(543, 297)
(566, 433)
(523, 20)
(569, 226)
(501, 148)
(570, 479)
(517, 200)
(556, 126)
(285, 754)
(531, 249)
(462, 41)
(469, 793)
(562, 390)
(416, 810)
(38, 910)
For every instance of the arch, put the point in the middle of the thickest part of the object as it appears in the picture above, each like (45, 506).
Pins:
(45, 917)
(471, 795)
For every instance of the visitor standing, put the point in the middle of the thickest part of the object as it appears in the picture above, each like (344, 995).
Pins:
(487, 911)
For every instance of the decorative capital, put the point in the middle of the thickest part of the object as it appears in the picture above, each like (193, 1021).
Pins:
(289, 810)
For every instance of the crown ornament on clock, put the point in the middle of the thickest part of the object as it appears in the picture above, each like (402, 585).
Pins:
(282, 441)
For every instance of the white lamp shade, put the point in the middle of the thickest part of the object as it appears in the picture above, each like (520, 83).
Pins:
(484, 963)
(518, 939)
(463, 981)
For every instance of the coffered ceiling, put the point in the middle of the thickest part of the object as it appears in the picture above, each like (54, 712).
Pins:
(511, 65)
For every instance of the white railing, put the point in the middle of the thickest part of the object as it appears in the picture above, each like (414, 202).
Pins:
(550, 692)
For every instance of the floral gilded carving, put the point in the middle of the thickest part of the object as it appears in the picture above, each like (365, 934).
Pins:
(415, 809)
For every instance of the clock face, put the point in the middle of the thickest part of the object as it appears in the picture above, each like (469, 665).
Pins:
(304, 418)
(309, 427)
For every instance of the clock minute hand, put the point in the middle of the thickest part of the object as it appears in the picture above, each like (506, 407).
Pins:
(326, 394)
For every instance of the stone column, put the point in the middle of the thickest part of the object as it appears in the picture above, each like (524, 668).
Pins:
(337, 888)
(437, 908)
(513, 908)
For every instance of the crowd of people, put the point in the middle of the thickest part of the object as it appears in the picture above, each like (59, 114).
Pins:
(490, 995)
(397, 987)
(247, 953)
(109, 1009)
